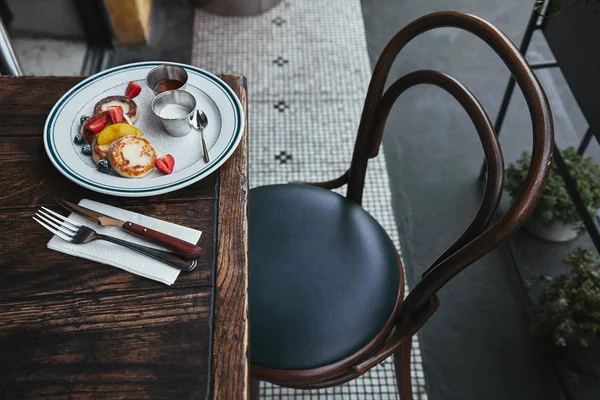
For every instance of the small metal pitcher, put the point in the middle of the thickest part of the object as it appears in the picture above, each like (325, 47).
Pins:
(178, 125)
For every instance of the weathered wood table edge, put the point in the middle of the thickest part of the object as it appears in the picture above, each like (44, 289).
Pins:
(229, 353)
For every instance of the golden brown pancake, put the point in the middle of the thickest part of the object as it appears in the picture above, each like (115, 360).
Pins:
(88, 135)
(99, 152)
(129, 106)
(132, 156)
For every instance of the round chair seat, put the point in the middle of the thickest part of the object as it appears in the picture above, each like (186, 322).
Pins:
(324, 277)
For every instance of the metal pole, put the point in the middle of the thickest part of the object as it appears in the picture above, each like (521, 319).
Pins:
(543, 64)
(585, 142)
(531, 26)
(8, 59)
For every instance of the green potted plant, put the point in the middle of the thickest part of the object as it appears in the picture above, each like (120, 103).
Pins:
(568, 310)
(555, 217)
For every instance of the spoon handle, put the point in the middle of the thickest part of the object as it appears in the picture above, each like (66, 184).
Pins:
(204, 145)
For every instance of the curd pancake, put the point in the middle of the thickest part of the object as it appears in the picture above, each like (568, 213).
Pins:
(99, 152)
(104, 139)
(129, 107)
(86, 133)
(132, 156)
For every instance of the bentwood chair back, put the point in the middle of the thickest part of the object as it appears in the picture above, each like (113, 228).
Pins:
(326, 283)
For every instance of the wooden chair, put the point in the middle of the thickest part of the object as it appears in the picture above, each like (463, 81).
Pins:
(326, 283)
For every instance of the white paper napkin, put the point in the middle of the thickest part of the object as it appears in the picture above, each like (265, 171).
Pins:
(121, 257)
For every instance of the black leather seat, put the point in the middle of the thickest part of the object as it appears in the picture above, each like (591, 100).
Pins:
(324, 277)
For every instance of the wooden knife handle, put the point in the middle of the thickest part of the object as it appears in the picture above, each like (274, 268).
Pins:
(181, 247)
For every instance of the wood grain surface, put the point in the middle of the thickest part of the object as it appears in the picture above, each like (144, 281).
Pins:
(72, 328)
(116, 345)
(230, 369)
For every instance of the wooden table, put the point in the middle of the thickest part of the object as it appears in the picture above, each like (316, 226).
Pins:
(71, 328)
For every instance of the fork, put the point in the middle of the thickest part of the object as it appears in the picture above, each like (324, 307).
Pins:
(80, 234)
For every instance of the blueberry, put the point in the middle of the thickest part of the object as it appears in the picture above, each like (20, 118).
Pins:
(83, 119)
(103, 166)
(86, 149)
(78, 139)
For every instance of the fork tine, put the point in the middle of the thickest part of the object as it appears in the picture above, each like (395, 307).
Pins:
(59, 222)
(57, 233)
(62, 217)
(53, 224)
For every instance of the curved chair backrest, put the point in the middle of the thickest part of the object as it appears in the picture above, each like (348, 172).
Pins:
(481, 236)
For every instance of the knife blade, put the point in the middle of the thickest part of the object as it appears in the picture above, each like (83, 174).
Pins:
(178, 246)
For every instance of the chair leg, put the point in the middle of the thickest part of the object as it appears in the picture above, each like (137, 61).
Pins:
(402, 367)
(254, 389)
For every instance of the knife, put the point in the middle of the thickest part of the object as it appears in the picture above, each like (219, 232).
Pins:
(181, 247)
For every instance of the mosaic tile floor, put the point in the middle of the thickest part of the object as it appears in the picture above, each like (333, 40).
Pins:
(308, 72)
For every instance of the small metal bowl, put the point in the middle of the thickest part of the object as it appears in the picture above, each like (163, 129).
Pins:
(176, 125)
(166, 72)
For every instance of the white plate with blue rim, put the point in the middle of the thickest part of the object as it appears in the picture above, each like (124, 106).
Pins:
(213, 96)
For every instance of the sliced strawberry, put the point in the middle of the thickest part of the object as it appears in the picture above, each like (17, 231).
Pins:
(133, 89)
(97, 122)
(116, 114)
(165, 163)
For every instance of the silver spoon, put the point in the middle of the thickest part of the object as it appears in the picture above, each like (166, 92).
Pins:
(202, 122)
